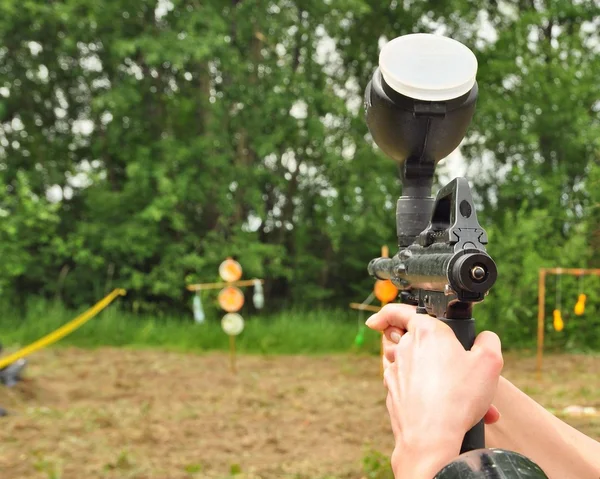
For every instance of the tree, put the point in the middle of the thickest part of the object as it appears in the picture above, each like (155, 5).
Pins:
(154, 139)
(181, 132)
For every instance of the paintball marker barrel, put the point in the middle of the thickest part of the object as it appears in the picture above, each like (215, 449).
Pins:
(468, 273)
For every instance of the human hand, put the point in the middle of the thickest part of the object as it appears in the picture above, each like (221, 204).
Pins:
(392, 332)
(437, 391)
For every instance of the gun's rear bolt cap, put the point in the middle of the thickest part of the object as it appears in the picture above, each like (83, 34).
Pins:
(478, 273)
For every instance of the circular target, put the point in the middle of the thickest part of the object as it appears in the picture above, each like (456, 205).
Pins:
(231, 299)
(232, 324)
(230, 270)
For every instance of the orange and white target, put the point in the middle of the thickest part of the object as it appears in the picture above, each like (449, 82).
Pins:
(385, 291)
(230, 270)
(231, 299)
(232, 324)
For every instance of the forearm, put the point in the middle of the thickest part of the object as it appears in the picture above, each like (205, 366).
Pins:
(527, 428)
(423, 458)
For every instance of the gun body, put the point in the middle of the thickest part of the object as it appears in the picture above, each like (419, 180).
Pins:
(441, 265)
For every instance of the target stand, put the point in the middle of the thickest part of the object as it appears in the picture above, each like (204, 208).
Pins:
(231, 300)
(557, 316)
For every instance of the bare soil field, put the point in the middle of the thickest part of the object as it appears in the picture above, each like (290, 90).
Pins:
(119, 413)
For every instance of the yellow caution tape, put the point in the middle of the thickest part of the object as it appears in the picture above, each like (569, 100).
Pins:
(63, 330)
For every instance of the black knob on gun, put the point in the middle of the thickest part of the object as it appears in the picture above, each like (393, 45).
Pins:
(473, 273)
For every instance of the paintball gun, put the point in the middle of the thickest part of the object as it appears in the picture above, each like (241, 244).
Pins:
(418, 105)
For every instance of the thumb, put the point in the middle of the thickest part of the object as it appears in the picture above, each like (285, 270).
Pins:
(488, 346)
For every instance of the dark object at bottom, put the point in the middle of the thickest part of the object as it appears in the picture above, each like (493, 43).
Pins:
(491, 464)
(11, 374)
(3, 412)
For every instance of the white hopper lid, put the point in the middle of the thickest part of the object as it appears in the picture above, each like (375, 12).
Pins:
(428, 67)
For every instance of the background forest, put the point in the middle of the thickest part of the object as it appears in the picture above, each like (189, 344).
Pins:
(142, 142)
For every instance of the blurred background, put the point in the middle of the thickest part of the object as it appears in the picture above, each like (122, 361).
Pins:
(143, 142)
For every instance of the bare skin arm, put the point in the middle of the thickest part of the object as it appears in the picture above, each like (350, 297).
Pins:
(527, 428)
(515, 422)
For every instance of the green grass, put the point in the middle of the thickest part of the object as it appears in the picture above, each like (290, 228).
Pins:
(292, 332)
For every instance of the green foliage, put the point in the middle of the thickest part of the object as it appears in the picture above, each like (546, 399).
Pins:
(193, 468)
(377, 466)
(29, 226)
(132, 111)
(292, 332)
(511, 307)
(235, 469)
(142, 142)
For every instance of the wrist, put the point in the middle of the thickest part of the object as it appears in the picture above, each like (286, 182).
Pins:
(424, 458)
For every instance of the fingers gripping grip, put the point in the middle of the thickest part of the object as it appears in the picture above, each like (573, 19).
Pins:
(464, 329)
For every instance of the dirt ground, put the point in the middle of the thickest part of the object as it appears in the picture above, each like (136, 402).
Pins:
(115, 413)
